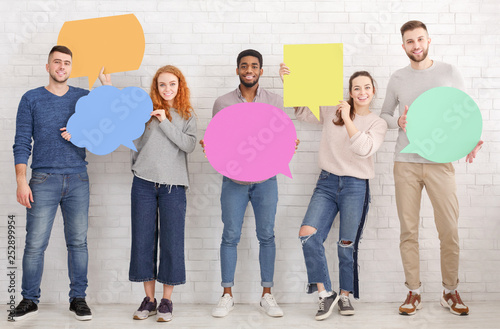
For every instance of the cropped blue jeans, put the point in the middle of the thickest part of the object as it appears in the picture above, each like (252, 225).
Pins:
(158, 215)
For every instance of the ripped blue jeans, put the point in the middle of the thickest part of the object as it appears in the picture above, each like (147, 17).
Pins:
(334, 194)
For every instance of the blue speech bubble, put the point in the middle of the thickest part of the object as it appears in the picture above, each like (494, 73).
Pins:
(108, 117)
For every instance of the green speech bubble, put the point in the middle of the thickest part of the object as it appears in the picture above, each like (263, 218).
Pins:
(444, 125)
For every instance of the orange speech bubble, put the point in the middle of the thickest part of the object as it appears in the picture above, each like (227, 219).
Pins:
(115, 42)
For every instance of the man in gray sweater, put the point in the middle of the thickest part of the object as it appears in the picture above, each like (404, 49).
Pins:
(412, 172)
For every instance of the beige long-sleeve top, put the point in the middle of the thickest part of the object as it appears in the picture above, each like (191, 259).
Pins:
(341, 155)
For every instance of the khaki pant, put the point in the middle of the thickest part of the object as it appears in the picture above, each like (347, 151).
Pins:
(439, 182)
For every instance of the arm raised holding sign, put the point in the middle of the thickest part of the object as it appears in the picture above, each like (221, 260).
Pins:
(161, 177)
(105, 81)
(351, 135)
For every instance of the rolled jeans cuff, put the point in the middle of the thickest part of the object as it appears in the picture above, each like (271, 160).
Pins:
(227, 284)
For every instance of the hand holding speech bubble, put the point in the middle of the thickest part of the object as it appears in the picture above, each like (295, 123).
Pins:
(108, 117)
(444, 125)
(115, 42)
(316, 77)
(250, 142)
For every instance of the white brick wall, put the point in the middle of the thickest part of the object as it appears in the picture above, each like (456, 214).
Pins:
(203, 38)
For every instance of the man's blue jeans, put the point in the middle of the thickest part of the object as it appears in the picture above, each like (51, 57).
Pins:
(333, 194)
(234, 200)
(71, 192)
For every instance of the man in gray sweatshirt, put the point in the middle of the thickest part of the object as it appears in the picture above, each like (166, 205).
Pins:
(412, 172)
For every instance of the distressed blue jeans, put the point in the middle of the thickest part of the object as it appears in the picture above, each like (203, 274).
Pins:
(334, 194)
(71, 192)
(234, 200)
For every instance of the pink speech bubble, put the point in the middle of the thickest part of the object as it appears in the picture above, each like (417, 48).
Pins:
(250, 142)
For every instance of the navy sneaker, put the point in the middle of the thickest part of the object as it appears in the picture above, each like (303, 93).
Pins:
(146, 309)
(165, 310)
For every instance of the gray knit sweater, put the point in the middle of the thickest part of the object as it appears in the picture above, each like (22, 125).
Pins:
(404, 87)
(162, 150)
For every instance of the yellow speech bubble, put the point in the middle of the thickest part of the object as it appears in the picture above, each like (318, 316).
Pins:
(115, 42)
(316, 75)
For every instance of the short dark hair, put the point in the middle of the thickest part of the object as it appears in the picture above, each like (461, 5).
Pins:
(249, 52)
(412, 25)
(61, 49)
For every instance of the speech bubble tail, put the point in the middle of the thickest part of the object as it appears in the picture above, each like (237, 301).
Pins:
(409, 149)
(92, 78)
(286, 171)
(130, 145)
(315, 110)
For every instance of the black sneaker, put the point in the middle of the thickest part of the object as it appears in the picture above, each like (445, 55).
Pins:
(326, 306)
(81, 309)
(25, 309)
(345, 306)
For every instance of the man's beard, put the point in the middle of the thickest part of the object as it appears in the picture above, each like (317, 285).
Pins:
(413, 58)
(247, 84)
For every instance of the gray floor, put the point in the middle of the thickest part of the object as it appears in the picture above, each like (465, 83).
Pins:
(368, 315)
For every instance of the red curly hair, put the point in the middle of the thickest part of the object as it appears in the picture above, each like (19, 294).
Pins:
(181, 100)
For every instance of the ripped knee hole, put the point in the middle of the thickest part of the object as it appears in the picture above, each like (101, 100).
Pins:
(307, 230)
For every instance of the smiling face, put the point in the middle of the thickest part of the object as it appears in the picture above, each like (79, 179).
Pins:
(59, 67)
(249, 71)
(168, 85)
(416, 44)
(362, 91)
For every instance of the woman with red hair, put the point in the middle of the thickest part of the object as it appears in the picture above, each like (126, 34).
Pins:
(159, 192)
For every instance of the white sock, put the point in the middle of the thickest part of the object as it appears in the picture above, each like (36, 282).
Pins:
(447, 291)
(416, 291)
(324, 294)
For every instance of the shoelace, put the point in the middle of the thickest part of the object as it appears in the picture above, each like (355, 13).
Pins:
(455, 297)
(165, 307)
(321, 304)
(344, 300)
(270, 300)
(143, 305)
(224, 301)
(409, 298)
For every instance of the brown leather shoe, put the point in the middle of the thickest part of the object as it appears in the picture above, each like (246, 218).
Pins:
(454, 303)
(412, 303)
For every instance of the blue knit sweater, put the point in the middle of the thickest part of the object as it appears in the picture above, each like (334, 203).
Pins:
(39, 117)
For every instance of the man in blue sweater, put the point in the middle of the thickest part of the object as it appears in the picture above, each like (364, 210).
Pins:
(59, 177)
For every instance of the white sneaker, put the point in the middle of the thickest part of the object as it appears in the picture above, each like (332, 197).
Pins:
(269, 305)
(226, 305)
